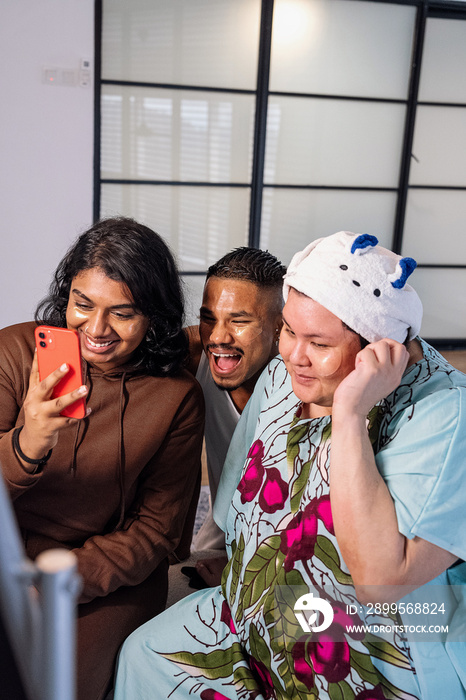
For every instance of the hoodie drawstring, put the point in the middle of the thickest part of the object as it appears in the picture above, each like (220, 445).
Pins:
(80, 429)
(121, 452)
(80, 424)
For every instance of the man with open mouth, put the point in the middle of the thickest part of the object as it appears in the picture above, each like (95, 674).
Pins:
(237, 335)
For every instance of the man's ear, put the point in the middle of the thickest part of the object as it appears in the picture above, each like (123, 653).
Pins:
(278, 322)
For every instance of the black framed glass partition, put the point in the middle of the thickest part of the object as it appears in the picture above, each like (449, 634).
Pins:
(273, 122)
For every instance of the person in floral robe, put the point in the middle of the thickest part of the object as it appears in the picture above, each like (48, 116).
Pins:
(344, 478)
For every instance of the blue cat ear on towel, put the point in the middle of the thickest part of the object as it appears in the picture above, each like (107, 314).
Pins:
(404, 268)
(362, 242)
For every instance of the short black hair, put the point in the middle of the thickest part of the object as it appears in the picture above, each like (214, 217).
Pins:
(133, 254)
(251, 264)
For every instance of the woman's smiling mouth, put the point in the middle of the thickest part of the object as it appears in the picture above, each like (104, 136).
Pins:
(97, 346)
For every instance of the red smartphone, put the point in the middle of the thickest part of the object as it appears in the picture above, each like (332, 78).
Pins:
(54, 347)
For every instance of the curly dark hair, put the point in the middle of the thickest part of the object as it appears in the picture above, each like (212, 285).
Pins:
(253, 265)
(133, 254)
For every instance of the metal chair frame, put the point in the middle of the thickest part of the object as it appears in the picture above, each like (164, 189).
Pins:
(38, 606)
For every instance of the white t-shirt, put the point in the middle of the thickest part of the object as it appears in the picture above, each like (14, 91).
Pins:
(221, 418)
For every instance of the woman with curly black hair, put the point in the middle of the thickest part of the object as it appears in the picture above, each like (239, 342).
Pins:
(115, 486)
(134, 255)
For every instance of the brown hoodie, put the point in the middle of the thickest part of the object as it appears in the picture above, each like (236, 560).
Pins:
(118, 484)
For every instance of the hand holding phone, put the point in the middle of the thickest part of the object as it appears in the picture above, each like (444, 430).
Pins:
(55, 347)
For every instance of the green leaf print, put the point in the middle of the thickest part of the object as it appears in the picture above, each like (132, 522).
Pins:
(294, 688)
(258, 646)
(340, 691)
(225, 574)
(292, 451)
(235, 565)
(326, 552)
(385, 651)
(215, 664)
(260, 573)
(293, 439)
(295, 578)
(278, 609)
(326, 432)
(391, 692)
(295, 435)
(363, 665)
(284, 630)
(375, 419)
(261, 652)
(299, 485)
(243, 677)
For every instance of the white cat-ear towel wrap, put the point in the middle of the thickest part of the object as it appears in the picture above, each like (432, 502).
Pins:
(361, 283)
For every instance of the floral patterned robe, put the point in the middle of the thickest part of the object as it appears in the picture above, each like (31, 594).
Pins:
(243, 640)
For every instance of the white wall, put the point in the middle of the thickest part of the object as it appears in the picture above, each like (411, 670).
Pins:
(46, 145)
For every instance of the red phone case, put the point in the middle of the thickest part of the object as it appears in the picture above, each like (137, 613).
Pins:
(54, 347)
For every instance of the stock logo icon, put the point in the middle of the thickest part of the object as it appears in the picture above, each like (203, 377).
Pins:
(306, 609)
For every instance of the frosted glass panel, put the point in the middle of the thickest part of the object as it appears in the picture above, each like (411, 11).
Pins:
(199, 223)
(333, 142)
(193, 287)
(183, 42)
(293, 218)
(149, 134)
(443, 72)
(344, 48)
(435, 227)
(443, 294)
(439, 146)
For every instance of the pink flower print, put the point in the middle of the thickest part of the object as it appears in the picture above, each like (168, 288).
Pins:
(330, 657)
(256, 450)
(302, 667)
(346, 622)
(251, 481)
(226, 617)
(211, 694)
(324, 513)
(299, 538)
(323, 656)
(274, 491)
(262, 674)
(328, 653)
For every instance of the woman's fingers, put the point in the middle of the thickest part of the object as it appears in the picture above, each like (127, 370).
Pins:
(66, 400)
(378, 371)
(42, 411)
(34, 376)
(43, 388)
(385, 353)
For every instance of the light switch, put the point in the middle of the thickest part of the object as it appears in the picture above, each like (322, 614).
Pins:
(50, 76)
(68, 77)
